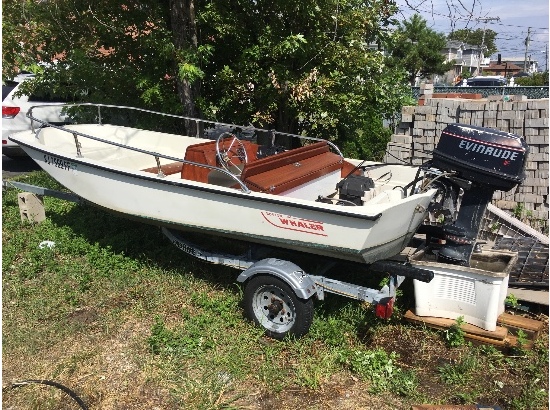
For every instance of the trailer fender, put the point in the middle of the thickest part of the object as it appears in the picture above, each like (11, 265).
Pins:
(300, 282)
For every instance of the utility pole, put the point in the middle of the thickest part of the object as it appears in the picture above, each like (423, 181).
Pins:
(485, 20)
(526, 48)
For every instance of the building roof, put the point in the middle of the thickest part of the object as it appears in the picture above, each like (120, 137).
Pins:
(460, 44)
(503, 66)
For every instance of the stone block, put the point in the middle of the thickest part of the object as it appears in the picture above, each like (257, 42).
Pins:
(408, 109)
(509, 115)
(537, 104)
(529, 165)
(426, 109)
(503, 125)
(517, 122)
(506, 106)
(406, 118)
(532, 114)
(524, 189)
(397, 154)
(520, 106)
(31, 207)
(502, 204)
(416, 132)
(402, 139)
(538, 157)
(425, 125)
(536, 122)
(490, 123)
(535, 139)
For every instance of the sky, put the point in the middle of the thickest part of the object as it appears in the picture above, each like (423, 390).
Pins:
(515, 18)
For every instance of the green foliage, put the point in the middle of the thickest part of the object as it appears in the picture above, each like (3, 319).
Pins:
(338, 325)
(477, 38)
(460, 372)
(417, 48)
(511, 300)
(381, 369)
(312, 70)
(454, 336)
(316, 69)
(535, 80)
(110, 52)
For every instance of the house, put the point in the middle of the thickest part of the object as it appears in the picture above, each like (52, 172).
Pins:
(505, 69)
(530, 66)
(466, 57)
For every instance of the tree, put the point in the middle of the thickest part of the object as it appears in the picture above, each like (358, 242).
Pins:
(109, 51)
(537, 79)
(304, 67)
(184, 33)
(484, 39)
(312, 67)
(418, 48)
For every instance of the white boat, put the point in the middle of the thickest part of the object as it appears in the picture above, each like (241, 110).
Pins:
(309, 199)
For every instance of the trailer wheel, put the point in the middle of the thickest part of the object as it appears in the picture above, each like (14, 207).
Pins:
(273, 305)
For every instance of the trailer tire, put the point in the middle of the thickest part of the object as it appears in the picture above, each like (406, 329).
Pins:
(272, 304)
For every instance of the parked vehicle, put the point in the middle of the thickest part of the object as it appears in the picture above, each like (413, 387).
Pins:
(483, 81)
(14, 110)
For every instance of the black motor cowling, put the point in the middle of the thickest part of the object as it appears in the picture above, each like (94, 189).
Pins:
(482, 161)
(482, 155)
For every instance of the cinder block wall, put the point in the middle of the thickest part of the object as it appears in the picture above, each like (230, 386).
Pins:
(418, 134)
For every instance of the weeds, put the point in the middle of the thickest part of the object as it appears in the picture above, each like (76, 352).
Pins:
(460, 372)
(381, 370)
(454, 336)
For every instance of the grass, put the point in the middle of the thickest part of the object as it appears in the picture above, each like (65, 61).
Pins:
(116, 313)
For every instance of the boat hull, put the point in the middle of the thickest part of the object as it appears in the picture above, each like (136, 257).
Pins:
(357, 234)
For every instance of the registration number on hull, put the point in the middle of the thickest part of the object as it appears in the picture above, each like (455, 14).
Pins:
(59, 162)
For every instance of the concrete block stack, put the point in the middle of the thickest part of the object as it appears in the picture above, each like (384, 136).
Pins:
(418, 134)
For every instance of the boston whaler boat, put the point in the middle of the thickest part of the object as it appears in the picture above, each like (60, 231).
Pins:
(244, 184)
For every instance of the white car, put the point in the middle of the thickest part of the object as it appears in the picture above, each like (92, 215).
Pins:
(14, 110)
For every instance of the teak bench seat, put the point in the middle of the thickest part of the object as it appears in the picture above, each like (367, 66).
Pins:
(167, 169)
(281, 172)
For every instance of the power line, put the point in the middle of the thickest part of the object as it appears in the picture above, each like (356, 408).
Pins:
(466, 18)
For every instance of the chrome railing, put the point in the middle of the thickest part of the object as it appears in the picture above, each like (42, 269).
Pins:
(157, 156)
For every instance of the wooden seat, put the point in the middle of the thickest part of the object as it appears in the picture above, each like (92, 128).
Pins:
(167, 169)
(290, 169)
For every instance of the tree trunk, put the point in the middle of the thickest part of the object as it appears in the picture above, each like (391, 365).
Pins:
(184, 33)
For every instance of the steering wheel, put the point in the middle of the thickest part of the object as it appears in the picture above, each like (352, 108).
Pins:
(231, 153)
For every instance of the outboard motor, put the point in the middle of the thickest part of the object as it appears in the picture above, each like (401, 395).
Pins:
(481, 161)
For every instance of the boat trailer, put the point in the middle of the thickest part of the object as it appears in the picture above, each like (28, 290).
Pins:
(278, 293)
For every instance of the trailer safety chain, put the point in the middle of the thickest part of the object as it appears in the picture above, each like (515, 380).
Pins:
(72, 394)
